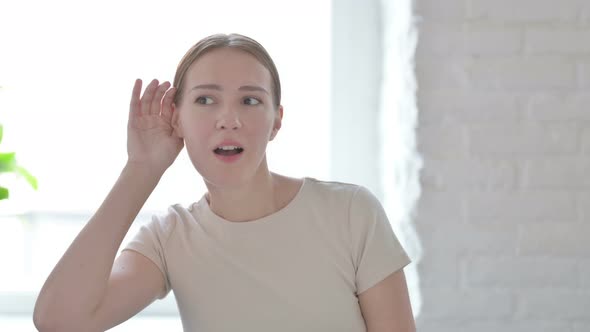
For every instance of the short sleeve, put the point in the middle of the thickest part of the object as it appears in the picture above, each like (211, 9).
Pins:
(150, 241)
(376, 251)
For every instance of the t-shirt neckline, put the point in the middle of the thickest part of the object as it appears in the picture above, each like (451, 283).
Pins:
(204, 207)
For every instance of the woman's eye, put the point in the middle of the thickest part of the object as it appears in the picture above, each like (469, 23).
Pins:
(204, 100)
(251, 101)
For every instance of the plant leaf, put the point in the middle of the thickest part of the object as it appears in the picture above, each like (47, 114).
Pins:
(7, 162)
(28, 176)
(3, 193)
(1, 132)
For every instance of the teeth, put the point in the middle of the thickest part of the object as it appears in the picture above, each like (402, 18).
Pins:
(230, 147)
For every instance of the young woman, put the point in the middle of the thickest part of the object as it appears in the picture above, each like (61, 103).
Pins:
(259, 251)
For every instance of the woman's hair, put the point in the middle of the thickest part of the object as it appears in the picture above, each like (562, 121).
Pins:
(233, 40)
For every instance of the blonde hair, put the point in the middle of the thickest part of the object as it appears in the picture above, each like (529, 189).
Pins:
(233, 40)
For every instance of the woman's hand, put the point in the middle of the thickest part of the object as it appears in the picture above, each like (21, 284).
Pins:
(151, 139)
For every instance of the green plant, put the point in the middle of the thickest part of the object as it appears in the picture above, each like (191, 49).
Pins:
(8, 164)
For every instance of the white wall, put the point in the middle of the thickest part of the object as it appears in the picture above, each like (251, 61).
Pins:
(504, 129)
(355, 81)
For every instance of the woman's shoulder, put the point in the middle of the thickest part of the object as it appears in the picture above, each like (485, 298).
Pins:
(175, 217)
(343, 192)
(330, 187)
(353, 195)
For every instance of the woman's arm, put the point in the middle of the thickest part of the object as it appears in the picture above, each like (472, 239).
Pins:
(386, 306)
(76, 286)
(78, 293)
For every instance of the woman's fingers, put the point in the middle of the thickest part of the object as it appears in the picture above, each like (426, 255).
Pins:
(152, 102)
(157, 100)
(148, 96)
(167, 104)
(134, 107)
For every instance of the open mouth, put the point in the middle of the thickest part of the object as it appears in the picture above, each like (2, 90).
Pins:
(228, 150)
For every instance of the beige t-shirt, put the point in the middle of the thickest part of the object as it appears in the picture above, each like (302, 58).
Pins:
(299, 269)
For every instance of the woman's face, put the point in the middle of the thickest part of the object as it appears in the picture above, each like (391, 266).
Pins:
(227, 116)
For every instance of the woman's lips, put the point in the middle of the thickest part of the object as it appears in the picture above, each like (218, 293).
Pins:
(228, 156)
(228, 150)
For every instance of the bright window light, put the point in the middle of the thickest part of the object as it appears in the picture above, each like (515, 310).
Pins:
(66, 73)
(67, 69)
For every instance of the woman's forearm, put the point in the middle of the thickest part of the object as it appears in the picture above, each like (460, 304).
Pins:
(78, 282)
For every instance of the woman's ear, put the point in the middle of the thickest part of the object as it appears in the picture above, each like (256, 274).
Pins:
(277, 123)
(175, 124)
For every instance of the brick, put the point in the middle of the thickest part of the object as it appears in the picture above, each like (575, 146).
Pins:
(454, 239)
(584, 74)
(445, 141)
(438, 269)
(556, 173)
(439, 38)
(581, 327)
(521, 207)
(446, 39)
(557, 107)
(469, 174)
(457, 305)
(441, 11)
(557, 239)
(584, 19)
(584, 273)
(520, 74)
(524, 10)
(425, 325)
(549, 304)
(484, 326)
(432, 207)
(432, 74)
(554, 40)
(586, 142)
(525, 140)
(583, 201)
(520, 272)
(469, 107)
(492, 40)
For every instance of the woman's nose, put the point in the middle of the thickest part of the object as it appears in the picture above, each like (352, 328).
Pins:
(228, 119)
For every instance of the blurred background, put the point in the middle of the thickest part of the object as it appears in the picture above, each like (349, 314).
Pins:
(469, 119)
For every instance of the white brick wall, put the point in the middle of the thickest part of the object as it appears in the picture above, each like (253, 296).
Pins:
(586, 139)
(504, 130)
(524, 11)
(584, 74)
(495, 326)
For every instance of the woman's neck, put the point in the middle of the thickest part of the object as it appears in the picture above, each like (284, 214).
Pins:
(248, 201)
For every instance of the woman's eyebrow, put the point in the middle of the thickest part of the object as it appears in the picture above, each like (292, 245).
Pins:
(252, 88)
(208, 87)
(219, 88)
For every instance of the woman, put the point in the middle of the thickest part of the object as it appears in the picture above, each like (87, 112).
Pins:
(259, 251)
